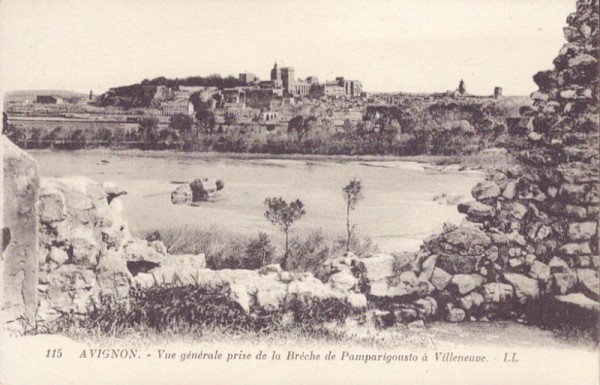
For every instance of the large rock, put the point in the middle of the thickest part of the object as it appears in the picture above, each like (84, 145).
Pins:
(113, 276)
(467, 237)
(582, 231)
(477, 211)
(85, 248)
(70, 289)
(463, 283)
(139, 250)
(427, 267)
(576, 248)
(440, 278)
(182, 195)
(540, 271)
(202, 188)
(185, 262)
(343, 281)
(485, 190)
(589, 283)
(497, 292)
(112, 191)
(471, 300)
(564, 282)
(377, 267)
(51, 205)
(427, 307)
(85, 199)
(455, 314)
(580, 300)
(19, 264)
(525, 288)
(271, 300)
(510, 191)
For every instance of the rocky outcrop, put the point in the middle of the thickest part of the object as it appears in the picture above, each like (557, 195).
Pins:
(200, 190)
(19, 237)
(86, 252)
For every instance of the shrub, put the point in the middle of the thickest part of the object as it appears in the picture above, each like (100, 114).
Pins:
(227, 251)
(259, 252)
(196, 309)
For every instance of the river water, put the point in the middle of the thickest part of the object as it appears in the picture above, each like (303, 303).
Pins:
(398, 210)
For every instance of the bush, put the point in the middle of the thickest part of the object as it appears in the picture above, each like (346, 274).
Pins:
(259, 252)
(196, 309)
(226, 251)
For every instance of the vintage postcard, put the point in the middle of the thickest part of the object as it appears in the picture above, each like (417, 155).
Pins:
(300, 192)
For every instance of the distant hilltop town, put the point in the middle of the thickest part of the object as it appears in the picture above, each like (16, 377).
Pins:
(283, 114)
(245, 99)
(282, 83)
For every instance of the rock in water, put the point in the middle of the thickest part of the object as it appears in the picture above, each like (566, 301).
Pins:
(182, 195)
(197, 191)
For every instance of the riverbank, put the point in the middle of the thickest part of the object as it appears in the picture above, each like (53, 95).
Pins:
(486, 160)
(428, 159)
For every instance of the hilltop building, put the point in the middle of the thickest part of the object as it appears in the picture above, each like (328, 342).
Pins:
(48, 99)
(248, 78)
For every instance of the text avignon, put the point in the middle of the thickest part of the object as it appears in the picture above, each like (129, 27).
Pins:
(109, 353)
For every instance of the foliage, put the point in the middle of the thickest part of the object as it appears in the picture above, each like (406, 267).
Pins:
(283, 215)
(444, 126)
(259, 252)
(148, 131)
(226, 251)
(196, 309)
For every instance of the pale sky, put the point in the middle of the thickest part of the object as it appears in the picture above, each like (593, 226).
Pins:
(391, 45)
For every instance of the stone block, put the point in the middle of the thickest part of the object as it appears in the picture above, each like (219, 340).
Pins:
(525, 288)
(440, 278)
(20, 234)
(582, 231)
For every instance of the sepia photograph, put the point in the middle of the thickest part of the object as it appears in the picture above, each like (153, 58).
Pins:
(300, 192)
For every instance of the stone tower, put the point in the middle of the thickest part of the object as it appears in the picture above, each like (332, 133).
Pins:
(497, 92)
(276, 75)
(288, 80)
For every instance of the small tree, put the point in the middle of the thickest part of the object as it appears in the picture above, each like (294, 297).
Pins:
(352, 195)
(283, 215)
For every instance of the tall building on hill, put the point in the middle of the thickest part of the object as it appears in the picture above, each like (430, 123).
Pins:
(276, 76)
(288, 80)
(248, 78)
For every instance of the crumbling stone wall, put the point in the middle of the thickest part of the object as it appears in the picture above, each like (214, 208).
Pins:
(19, 233)
(532, 231)
(531, 234)
(86, 251)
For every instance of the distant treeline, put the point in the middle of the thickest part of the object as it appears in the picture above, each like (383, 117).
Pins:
(140, 95)
(214, 80)
(412, 128)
